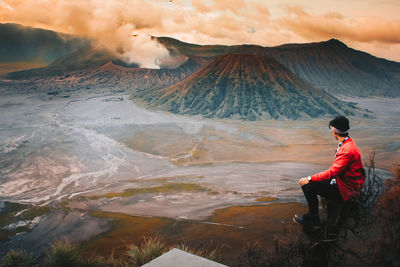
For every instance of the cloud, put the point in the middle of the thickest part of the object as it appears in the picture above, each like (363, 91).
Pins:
(5, 6)
(235, 6)
(262, 10)
(145, 51)
(112, 23)
(333, 24)
(201, 6)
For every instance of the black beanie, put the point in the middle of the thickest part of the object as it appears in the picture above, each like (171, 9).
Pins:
(341, 123)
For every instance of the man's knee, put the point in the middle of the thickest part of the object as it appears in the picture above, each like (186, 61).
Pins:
(306, 187)
(309, 189)
(314, 186)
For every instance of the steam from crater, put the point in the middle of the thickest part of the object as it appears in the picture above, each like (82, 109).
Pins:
(121, 27)
(142, 50)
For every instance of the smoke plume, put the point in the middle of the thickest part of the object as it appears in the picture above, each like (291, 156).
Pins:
(142, 50)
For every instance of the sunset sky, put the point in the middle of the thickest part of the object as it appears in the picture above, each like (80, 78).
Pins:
(369, 25)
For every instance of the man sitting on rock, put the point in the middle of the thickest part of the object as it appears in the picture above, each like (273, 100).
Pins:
(344, 179)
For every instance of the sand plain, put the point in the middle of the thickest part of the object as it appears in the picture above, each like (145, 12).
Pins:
(89, 151)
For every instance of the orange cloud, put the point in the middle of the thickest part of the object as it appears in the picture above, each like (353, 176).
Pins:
(201, 6)
(262, 10)
(325, 26)
(112, 22)
(236, 6)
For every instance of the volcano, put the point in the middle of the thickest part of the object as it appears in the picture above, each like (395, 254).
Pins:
(246, 87)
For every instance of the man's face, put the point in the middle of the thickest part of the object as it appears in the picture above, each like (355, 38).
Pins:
(335, 135)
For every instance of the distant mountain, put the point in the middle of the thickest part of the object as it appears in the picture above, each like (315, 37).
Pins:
(248, 87)
(338, 69)
(329, 65)
(140, 79)
(85, 58)
(21, 43)
(116, 78)
(188, 49)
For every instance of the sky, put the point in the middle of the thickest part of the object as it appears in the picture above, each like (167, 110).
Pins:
(372, 26)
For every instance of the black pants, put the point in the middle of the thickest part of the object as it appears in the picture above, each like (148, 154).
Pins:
(322, 188)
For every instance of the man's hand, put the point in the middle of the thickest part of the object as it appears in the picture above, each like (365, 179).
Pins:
(303, 181)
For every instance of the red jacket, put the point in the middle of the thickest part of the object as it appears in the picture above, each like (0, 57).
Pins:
(347, 169)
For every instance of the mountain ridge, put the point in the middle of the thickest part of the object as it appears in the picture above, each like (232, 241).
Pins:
(22, 43)
(330, 65)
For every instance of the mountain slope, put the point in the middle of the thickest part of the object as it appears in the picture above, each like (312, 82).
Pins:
(188, 49)
(140, 79)
(336, 68)
(85, 58)
(20, 43)
(111, 76)
(248, 87)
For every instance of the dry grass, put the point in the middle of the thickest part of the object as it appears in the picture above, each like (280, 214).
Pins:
(151, 248)
(62, 254)
(211, 254)
(18, 258)
(388, 244)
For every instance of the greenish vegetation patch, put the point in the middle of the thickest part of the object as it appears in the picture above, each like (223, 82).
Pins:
(166, 188)
(266, 199)
(167, 179)
(15, 212)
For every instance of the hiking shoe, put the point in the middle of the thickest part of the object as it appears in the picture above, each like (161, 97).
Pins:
(307, 219)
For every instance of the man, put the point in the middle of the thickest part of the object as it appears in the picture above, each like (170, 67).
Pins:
(344, 179)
